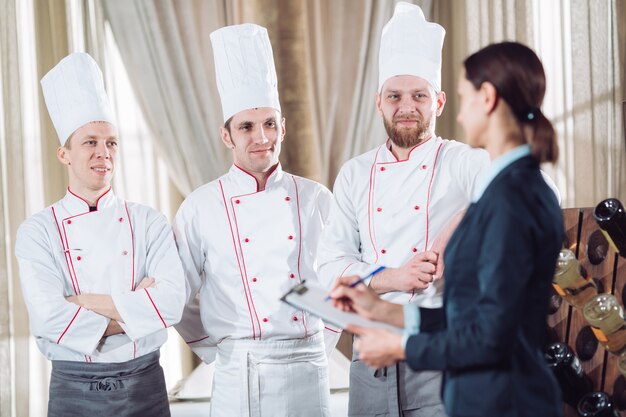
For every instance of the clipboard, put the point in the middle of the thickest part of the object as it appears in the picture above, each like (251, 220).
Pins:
(311, 298)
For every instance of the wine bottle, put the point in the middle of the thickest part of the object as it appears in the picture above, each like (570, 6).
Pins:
(569, 283)
(621, 364)
(569, 373)
(596, 404)
(606, 317)
(611, 218)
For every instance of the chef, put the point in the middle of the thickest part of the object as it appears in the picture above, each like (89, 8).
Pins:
(100, 276)
(393, 202)
(245, 239)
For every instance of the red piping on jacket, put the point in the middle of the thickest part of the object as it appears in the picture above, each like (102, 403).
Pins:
(295, 184)
(197, 340)
(132, 237)
(270, 172)
(73, 271)
(430, 183)
(67, 243)
(412, 149)
(243, 263)
(155, 307)
(370, 196)
(243, 280)
(65, 251)
(86, 202)
(346, 268)
(68, 326)
(432, 176)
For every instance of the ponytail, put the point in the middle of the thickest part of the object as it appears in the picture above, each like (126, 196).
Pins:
(543, 143)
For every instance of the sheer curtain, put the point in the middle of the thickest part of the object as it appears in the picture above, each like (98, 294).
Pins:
(166, 49)
(21, 191)
(13, 327)
(142, 176)
(579, 41)
(580, 45)
(344, 38)
(35, 35)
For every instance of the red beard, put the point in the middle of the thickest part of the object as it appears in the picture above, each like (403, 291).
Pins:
(404, 137)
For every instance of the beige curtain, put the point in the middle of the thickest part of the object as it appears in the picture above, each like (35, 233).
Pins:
(579, 43)
(13, 321)
(51, 44)
(326, 58)
(343, 41)
(166, 49)
(287, 27)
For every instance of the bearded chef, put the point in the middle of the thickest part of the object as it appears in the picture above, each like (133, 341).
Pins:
(100, 276)
(392, 202)
(247, 238)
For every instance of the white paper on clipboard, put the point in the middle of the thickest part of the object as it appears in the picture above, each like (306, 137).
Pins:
(311, 298)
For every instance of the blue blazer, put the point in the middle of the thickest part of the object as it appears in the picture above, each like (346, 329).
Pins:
(499, 267)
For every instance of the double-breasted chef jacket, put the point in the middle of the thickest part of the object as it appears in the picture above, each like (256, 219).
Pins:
(242, 249)
(386, 211)
(66, 249)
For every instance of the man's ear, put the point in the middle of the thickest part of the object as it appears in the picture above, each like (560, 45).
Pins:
(441, 103)
(62, 156)
(226, 139)
(377, 98)
(282, 127)
(490, 97)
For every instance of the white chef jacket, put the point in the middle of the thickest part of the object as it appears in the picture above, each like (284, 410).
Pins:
(242, 249)
(65, 250)
(386, 211)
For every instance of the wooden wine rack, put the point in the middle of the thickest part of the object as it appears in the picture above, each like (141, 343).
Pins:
(566, 324)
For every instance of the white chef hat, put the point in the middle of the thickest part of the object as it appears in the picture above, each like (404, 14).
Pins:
(74, 95)
(410, 45)
(244, 68)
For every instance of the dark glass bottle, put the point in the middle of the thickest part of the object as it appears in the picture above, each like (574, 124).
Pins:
(596, 404)
(569, 373)
(611, 218)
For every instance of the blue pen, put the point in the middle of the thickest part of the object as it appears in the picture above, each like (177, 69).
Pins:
(360, 280)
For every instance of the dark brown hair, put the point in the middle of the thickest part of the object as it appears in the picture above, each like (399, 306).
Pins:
(517, 75)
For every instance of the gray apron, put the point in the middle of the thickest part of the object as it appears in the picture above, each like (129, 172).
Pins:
(133, 388)
(397, 391)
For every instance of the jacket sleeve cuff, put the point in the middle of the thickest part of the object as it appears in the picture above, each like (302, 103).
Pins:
(85, 343)
(140, 315)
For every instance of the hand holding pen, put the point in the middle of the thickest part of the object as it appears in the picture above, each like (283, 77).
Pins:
(357, 281)
(348, 295)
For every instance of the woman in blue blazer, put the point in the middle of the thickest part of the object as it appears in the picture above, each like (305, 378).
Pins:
(499, 261)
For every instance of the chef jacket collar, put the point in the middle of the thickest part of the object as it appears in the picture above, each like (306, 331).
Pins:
(246, 182)
(75, 204)
(418, 153)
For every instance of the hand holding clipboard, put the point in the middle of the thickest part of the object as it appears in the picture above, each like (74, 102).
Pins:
(309, 297)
